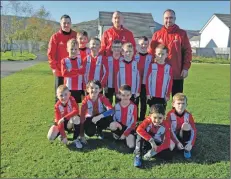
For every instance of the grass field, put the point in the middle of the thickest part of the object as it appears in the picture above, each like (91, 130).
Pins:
(27, 112)
(25, 56)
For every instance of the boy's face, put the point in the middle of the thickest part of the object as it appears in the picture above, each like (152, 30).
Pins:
(63, 96)
(157, 118)
(128, 53)
(73, 50)
(125, 95)
(161, 55)
(93, 91)
(179, 105)
(82, 40)
(143, 46)
(94, 45)
(116, 48)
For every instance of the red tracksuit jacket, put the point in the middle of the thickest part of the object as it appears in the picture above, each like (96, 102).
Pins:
(124, 35)
(71, 109)
(176, 123)
(72, 71)
(177, 42)
(95, 69)
(159, 80)
(127, 116)
(147, 130)
(57, 49)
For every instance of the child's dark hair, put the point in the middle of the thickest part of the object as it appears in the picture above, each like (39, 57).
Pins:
(96, 82)
(82, 32)
(157, 108)
(143, 38)
(65, 16)
(125, 88)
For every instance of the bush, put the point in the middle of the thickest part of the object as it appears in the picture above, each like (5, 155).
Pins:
(199, 59)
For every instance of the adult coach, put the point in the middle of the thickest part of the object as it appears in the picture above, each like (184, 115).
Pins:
(180, 52)
(117, 31)
(57, 49)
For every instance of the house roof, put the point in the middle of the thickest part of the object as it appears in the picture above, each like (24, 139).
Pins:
(225, 18)
(195, 38)
(138, 23)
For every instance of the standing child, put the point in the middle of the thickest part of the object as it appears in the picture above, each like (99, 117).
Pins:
(113, 63)
(154, 134)
(72, 70)
(159, 78)
(95, 64)
(144, 59)
(183, 130)
(66, 117)
(123, 126)
(128, 73)
(96, 111)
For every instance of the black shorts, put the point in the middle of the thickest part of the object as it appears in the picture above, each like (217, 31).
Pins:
(185, 138)
(77, 95)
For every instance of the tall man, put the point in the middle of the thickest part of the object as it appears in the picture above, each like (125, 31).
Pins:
(57, 49)
(116, 32)
(179, 49)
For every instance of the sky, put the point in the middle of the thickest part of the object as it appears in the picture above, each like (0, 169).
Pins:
(190, 15)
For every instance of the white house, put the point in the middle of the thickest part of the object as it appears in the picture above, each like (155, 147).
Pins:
(141, 24)
(216, 32)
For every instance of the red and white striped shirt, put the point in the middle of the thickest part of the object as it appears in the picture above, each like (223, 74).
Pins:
(84, 52)
(127, 116)
(176, 123)
(144, 61)
(91, 108)
(159, 80)
(128, 73)
(69, 110)
(96, 69)
(72, 71)
(113, 64)
(161, 133)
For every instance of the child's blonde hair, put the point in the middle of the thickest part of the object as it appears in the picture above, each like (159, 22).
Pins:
(180, 97)
(61, 89)
(72, 42)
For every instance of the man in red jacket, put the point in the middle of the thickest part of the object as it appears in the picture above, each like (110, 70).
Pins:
(180, 52)
(117, 31)
(57, 49)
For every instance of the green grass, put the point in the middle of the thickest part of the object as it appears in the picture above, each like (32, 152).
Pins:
(27, 112)
(199, 59)
(17, 56)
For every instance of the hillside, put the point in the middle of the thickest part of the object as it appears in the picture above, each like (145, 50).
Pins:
(92, 26)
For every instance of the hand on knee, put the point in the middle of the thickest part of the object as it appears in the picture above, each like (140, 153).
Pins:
(75, 120)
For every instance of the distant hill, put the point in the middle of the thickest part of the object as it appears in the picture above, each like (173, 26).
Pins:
(92, 26)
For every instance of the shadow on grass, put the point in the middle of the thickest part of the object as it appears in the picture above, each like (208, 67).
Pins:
(212, 145)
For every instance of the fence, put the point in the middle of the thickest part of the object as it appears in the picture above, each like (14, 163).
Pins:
(212, 52)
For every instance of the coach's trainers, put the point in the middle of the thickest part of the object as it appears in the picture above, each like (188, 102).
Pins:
(78, 144)
(149, 154)
(187, 154)
(137, 161)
